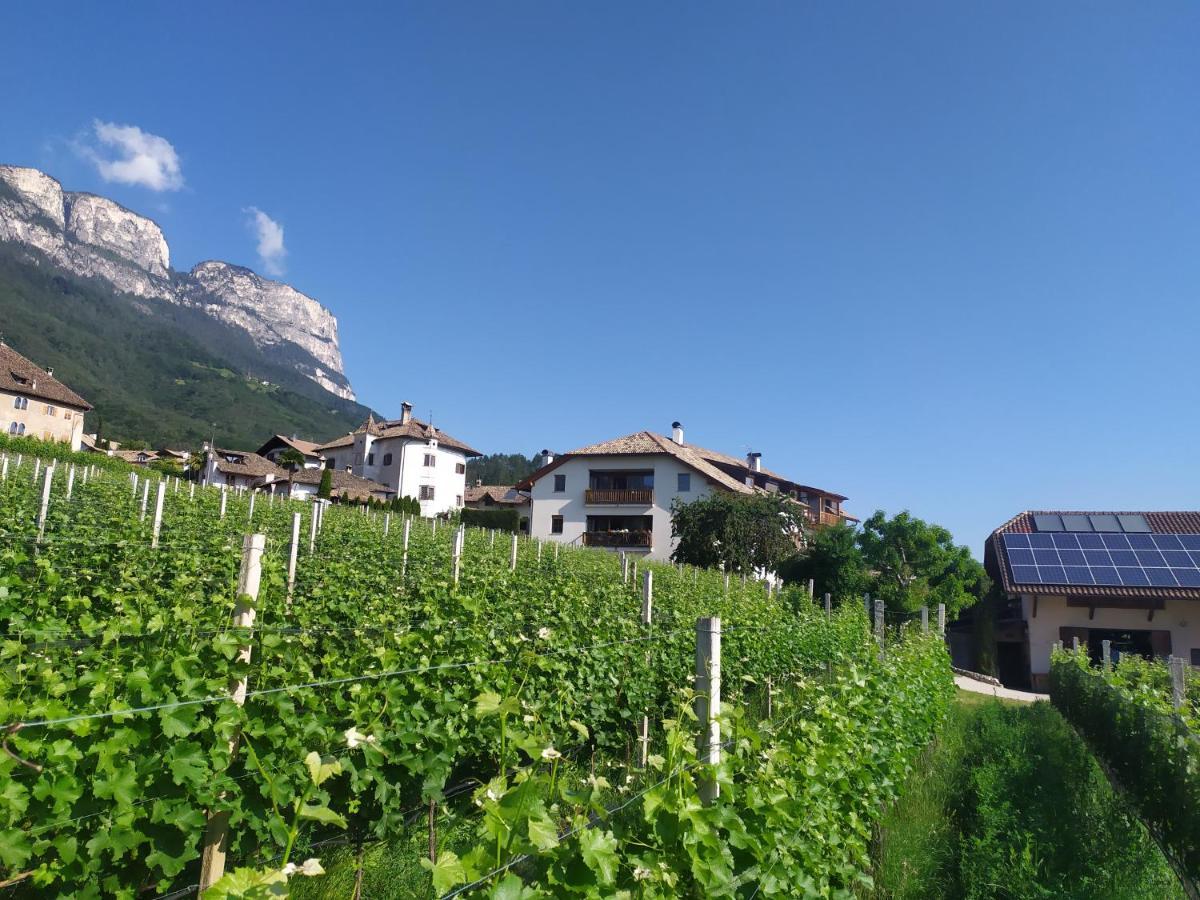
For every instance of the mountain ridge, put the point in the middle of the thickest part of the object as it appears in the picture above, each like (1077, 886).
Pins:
(92, 236)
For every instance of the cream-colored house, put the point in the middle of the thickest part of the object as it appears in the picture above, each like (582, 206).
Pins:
(33, 403)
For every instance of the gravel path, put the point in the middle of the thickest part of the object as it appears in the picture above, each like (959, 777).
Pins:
(979, 687)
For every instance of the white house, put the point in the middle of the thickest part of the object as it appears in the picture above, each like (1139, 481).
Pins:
(618, 494)
(413, 458)
(278, 444)
(1129, 578)
(33, 403)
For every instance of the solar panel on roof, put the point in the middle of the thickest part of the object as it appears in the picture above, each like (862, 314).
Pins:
(1077, 523)
(1048, 523)
(1105, 523)
(1135, 523)
(1107, 559)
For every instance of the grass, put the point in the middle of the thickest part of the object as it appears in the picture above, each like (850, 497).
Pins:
(1008, 803)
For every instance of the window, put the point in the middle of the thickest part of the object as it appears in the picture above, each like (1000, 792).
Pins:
(560, 483)
(458, 500)
(370, 459)
(427, 492)
(51, 410)
(685, 482)
(20, 403)
(430, 460)
(556, 524)
(331, 463)
(16, 428)
(387, 459)
(67, 415)
(1196, 656)
(460, 469)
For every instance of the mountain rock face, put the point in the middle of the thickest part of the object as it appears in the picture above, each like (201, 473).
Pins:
(94, 237)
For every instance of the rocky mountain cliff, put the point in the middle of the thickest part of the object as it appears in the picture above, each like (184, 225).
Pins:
(94, 237)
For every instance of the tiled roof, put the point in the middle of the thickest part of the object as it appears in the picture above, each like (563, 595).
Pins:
(724, 459)
(343, 483)
(500, 493)
(413, 429)
(645, 443)
(995, 557)
(308, 448)
(248, 464)
(19, 375)
(131, 456)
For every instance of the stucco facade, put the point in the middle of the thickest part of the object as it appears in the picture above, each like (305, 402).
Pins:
(22, 414)
(402, 464)
(571, 502)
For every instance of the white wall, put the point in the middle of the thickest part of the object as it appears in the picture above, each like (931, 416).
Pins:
(569, 504)
(40, 424)
(407, 471)
(1180, 617)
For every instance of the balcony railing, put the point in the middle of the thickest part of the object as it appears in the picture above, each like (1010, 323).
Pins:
(636, 497)
(825, 518)
(617, 538)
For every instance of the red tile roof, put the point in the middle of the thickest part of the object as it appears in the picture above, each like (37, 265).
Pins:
(19, 375)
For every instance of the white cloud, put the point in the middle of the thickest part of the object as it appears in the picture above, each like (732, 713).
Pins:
(270, 240)
(129, 155)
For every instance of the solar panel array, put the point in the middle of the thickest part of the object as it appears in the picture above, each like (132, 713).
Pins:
(1105, 558)
(1129, 523)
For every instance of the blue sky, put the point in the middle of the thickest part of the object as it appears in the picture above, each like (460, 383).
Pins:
(935, 256)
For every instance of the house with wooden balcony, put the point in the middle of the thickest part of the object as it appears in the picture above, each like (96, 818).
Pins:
(618, 494)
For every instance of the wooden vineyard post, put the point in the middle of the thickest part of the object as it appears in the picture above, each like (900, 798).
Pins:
(1075, 644)
(770, 696)
(158, 509)
(812, 589)
(192, 491)
(879, 623)
(556, 551)
(133, 485)
(293, 552)
(312, 528)
(320, 517)
(250, 514)
(708, 703)
(4, 469)
(145, 500)
(404, 562)
(647, 618)
(1106, 649)
(828, 606)
(539, 552)
(924, 620)
(224, 497)
(492, 538)
(387, 524)
(1178, 667)
(726, 584)
(37, 469)
(45, 507)
(434, 530)
(70, 480)
(216, 836)
(624, 568)
(941, 618)
(512, 557)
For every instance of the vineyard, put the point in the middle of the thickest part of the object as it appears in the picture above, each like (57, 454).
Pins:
(1139, 718)
(190, 675)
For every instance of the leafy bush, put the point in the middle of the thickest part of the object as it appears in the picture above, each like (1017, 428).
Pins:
(60, 452)
(1151, 752)
(499, 519)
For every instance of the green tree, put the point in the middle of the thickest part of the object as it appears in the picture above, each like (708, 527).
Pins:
(325, 488)
(915, 564)
(742, 532)
(292, 460)
(834, 562)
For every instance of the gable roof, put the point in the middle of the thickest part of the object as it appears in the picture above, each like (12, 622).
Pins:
(500, 493)
(19, 375)
(646, 443)
(413, 429)
(356, 487)
(995, 556)
(307, 448)
(247, 464)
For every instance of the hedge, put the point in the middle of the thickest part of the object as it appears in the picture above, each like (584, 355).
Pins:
(499, 519)
(60, 452)
(1153, 756)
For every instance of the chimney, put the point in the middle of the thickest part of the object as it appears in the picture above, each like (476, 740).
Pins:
(478, 482)
(547, 457)
(349, 470)
(49, 372)
(677, 433)
(405, 413)
(754, 462)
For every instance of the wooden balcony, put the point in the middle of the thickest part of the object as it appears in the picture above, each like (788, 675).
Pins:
(825, 518)
(612, 539)
(638, 497)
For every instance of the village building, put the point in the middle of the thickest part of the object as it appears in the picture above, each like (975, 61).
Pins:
(1129, 578)
(278, 444)
(33, 403)
(412, 458)
(618, 494)
(499, 496)
(242, 470)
